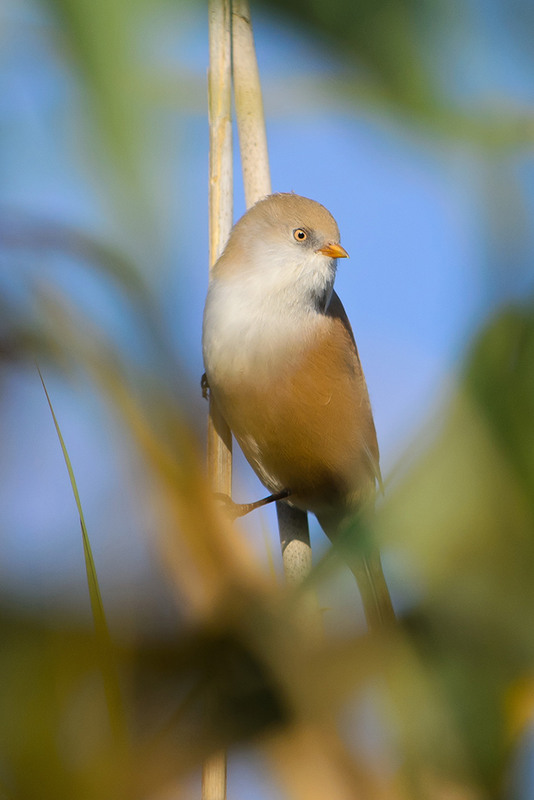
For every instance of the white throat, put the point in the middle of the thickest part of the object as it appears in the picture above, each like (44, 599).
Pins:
(257, 316)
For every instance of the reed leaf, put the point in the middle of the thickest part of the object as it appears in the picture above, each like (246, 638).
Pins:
(104, 643)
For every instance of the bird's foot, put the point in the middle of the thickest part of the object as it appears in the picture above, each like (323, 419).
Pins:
(235, 510)
(204, 386)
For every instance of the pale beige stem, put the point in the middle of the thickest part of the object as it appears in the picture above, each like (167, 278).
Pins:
(295, 542)
(220, 121)
(220, 224)
(249, 106)
(220, 204)
(293, 524)
(214, 777)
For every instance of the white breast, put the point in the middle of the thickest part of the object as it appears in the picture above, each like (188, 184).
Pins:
(255, 319)
(242, 333)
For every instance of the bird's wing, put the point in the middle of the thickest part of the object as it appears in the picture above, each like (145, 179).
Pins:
(336, 310)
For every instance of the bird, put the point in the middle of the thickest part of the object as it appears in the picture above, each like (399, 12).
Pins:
(283, 368)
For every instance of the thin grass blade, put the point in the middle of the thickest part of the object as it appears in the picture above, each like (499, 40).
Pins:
(103, 639)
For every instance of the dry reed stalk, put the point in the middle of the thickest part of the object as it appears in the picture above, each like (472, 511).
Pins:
(293, 524)
(220, 224)
(249, 106)
(220, 204)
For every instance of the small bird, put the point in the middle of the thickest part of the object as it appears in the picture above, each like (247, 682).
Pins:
(283, 368)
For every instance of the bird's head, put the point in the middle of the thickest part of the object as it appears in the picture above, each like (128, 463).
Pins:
(284, 243)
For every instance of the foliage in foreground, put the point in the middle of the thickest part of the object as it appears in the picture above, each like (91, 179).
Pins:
(450, 688)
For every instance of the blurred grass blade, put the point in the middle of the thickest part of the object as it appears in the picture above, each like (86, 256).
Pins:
(103, 639)
(100, 39)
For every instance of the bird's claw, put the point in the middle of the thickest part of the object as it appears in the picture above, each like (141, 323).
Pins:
(227, 505)
(236, 510)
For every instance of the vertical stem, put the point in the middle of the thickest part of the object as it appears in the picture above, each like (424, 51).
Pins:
(220, 120)
(249, 106)
(295, 542)
(214, 777)
(220, 224)
(293, 524)
(220, 205)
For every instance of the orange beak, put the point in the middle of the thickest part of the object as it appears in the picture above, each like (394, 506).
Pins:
(333, 250)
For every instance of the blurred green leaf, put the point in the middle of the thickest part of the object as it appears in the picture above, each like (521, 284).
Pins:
(384, 38)
(465, 514)
(500, 377)
(388, 49)
(99, 37)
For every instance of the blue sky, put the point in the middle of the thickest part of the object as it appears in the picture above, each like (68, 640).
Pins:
(412, 211)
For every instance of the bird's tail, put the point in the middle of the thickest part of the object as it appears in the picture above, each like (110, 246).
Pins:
(364, 562)
(367, 569)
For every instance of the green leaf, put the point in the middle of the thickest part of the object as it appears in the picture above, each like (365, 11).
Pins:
(103, 638)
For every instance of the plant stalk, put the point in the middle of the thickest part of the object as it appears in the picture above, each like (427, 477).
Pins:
(220, 223)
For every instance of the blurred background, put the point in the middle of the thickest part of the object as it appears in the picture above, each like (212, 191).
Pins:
(413, 123)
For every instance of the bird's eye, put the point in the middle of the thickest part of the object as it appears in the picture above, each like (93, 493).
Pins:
(299, 234)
